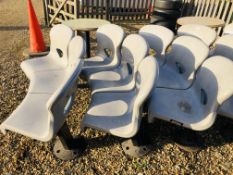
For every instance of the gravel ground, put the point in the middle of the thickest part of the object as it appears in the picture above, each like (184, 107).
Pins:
(21, 155)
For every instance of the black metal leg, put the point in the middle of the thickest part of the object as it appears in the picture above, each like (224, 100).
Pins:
(140, 144)
(67, 147)
(65, 136)
(88, 53)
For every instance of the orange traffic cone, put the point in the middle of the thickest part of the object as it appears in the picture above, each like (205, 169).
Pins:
(37, 45)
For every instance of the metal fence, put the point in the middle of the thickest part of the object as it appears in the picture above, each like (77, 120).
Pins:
(112, 10)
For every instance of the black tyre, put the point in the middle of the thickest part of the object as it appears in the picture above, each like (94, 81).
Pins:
(168, 4)
(169, 23)
(173, 14)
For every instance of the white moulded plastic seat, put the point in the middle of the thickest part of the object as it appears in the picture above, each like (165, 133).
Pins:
(60, 36)
(196, 107)
(228, 30)
(224, 47)
(187, 54)
(119, 113)
(159, 38)
(226, 109)
(109, 37)
(49, 99)
(204, 33)
(134, 49)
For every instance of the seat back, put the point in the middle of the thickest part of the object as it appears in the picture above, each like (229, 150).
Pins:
(228, 30)
(76, 50)
(110, 37)
(60, 36)
(62, 100)
(186, 55)
(224, 46)
(204, 33)
(158, 37)
(214, 83)
(146, 78)
(134, 49)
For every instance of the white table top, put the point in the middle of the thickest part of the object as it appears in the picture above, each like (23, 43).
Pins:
(207, 21)
(85, 24)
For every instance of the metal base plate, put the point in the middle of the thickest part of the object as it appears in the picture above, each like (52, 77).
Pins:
(27, 53)
(65, 154)
(134, 151)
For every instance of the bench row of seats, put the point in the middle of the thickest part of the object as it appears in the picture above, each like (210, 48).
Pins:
(184, 86)
(195, 55)
(53, 81)
(183, 75)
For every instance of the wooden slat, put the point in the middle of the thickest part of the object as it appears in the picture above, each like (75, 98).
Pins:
(199, 5)
(130, 10)
(87, 8)
(118, 3)
(212, 3)
(194, 11)
(146, 8)
(230, 15)
(123, 8)
(57, 11)
(102, 9)
(46, 12)
(217, 3)
(120, 7)
(82, 8)
(220, 9)
(97, 8)
(56, 19)
(76, 9)
(138, 9)
(202, 8)
(92, 9)
(62, 12)
(207, 5)
(226, 10)
(68, 2)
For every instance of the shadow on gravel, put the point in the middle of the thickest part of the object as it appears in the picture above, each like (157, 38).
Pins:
(162, 133)
(224, 128)
(219, 134)
(103, 141)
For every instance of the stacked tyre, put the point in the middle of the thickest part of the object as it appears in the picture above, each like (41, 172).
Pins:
(166, 12)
